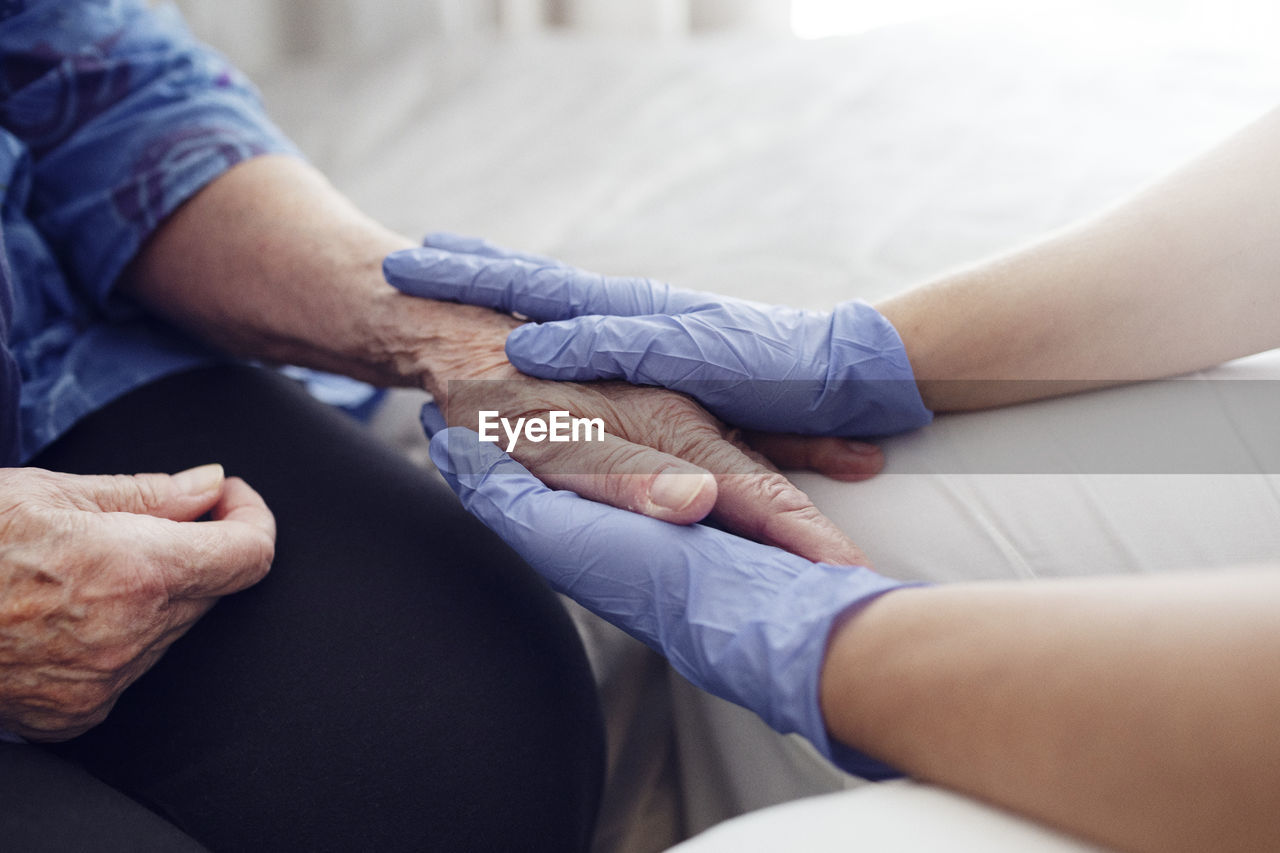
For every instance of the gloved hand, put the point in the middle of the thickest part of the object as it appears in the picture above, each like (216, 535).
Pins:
(649, 432)
(744, 621)
(756, 366)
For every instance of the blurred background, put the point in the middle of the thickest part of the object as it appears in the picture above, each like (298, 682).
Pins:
(257, 32)
(835, 144)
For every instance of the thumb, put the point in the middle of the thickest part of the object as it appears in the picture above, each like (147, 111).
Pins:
(507, 499)
(487, 481)
(591, 551)
(184, 496)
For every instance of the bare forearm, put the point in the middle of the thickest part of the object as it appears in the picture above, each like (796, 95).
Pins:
(270, 261)
(1140, 713)
(1182, 276)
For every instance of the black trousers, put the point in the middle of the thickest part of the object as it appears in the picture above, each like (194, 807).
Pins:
(401, 680)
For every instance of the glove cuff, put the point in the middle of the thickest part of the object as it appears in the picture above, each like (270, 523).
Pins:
(812, 605)
(869, 369)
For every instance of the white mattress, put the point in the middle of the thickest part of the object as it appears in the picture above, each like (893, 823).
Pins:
(807, 173)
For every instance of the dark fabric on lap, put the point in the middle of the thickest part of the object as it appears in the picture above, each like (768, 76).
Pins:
(400, 680)
(48, 805)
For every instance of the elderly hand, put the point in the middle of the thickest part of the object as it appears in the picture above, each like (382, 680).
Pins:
(744, 621)
(658, 446)
(100, 574)
(763, 367)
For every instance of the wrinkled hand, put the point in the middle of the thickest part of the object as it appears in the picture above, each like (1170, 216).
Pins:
(658, 448)
(843, 372)
(100, 574)
(744, 621)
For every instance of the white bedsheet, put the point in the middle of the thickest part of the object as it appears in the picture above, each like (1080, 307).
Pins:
(886, 818)
(813, 171)
(806, 173)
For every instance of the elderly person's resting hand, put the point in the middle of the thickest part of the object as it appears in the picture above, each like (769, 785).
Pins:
(103, 574)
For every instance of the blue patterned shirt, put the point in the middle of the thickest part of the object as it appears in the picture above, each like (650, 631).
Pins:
(111, 116)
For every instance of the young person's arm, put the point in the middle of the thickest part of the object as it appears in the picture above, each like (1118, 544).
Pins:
(1183, 275)
(1141, 713)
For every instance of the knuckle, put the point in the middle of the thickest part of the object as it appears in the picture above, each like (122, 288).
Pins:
(781, 495)
(112, 491)
(640, 409)
(784, 506)
(697, 440)
(681, 410)
(147, 490)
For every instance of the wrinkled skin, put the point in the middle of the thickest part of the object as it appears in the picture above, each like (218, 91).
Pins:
(651, 431)
(99, 575)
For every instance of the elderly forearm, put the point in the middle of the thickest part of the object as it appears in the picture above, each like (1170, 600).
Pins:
(1180, 277)
(270, 261)
(1135, 712)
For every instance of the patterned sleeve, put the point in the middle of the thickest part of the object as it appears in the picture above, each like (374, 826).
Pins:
(125, 116)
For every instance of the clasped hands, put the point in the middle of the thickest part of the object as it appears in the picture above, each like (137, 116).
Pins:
(741, 618)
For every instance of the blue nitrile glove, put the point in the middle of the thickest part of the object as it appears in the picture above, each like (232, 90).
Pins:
(762, 367)
(745, 621)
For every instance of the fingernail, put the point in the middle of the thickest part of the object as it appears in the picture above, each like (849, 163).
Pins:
(861, 448)
(199, 480)
(675, 490)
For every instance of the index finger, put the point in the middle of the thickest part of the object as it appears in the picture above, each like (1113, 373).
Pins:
(208, 559)
(536, 290)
